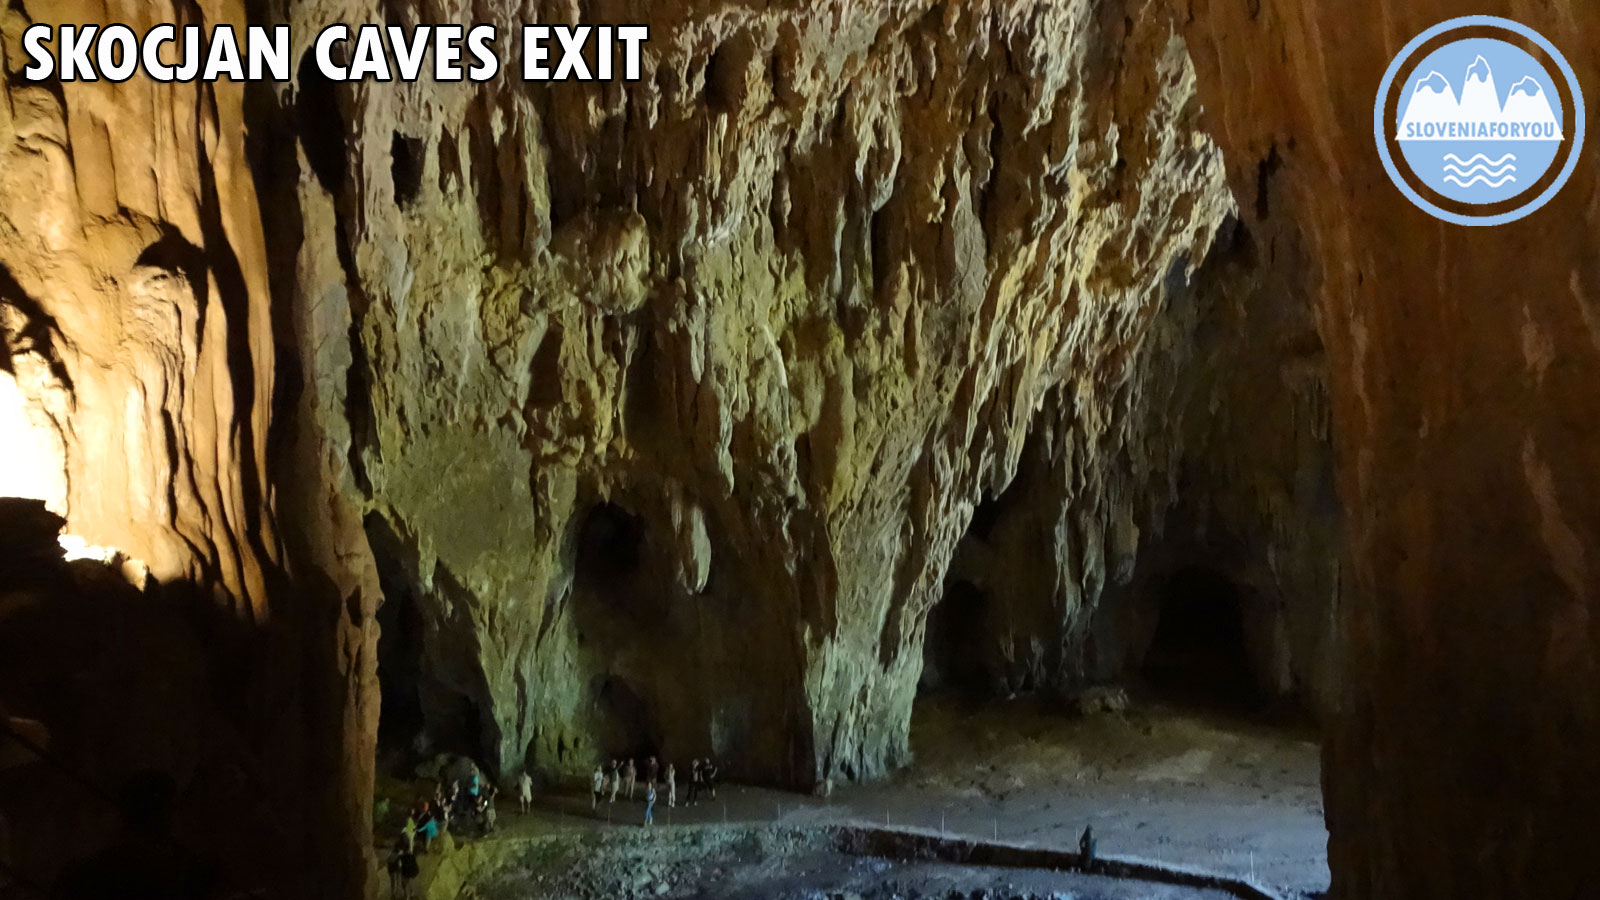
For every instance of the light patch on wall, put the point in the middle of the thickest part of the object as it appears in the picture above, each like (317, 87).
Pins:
(32, 460)
(133, 571)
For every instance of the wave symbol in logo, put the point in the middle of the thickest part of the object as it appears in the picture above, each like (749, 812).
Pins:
(1480, 170)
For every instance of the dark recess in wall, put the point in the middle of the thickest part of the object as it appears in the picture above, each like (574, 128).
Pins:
(399, 666)
(1198, 656)
(408, 155)
(321, 124)
(627, 727)
(610, 553)
(951, 660)
(420, 714)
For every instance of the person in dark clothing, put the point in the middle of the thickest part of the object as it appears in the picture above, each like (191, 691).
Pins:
(146, 862)
(486, 813)
(696, 781)
(708, 772)
(403, 870)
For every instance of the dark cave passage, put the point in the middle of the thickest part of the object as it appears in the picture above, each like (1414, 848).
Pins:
(1199, 655)
(399, 668)
(408, 159)
(951, 659)
(620, 606)
(320, 123)
(610, 554)
(419, 715)
(627, 728)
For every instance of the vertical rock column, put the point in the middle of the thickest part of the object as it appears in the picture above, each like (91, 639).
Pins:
(139, 365)
(1462, 372)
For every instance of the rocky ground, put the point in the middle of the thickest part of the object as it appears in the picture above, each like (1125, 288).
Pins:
(737, 863)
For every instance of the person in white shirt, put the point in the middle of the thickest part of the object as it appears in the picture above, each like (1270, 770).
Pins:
(525, 792)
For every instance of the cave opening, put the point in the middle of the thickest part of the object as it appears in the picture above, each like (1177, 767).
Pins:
(320, 123)
(610, 553)
(407, 157)
(400, 655)
(420, 713)
(1199, 655)
(627, 728)
(951, 663)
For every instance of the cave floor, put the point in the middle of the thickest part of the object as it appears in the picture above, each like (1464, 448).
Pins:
(1172, 786)
(771, 863)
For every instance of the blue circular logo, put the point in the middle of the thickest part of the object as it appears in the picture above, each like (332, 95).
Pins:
(1479, 120)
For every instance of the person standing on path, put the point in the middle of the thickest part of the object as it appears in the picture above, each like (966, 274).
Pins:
(652, 771)
(599, 786)
(672, 786)
(428, 826)
(409, 832)
(409, 870)
(708, 771)
(486, 814)
(403, 871)
(630, 776)
(649, 803)
(694, 782)
(616, 779)
(453, 806)
(524, 792)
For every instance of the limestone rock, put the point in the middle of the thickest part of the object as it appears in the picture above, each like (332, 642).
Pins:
(138, 373)
(1462, 364)
(673, 399)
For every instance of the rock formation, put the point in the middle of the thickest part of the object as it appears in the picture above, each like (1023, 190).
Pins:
(1462, 364)
(138, 383)
(662, 408)
(1220, 460)
(671, 401)
(663, 413)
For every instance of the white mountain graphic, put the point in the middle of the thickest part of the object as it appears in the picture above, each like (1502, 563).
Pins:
(1479, 99)
(1527, 103)
(1436, 114)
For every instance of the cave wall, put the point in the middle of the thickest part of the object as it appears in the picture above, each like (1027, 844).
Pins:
(1462, 364)
(791, 301)
(139, 368)
(1220, 457)
(794, 301)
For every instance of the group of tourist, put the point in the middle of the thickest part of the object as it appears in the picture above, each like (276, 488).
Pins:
(624, 778)
(463, 802)
(470, 801)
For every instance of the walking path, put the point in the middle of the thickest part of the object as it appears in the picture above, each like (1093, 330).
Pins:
(1180, 791)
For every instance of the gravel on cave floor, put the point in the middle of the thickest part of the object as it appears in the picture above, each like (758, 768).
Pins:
(777, 864)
